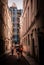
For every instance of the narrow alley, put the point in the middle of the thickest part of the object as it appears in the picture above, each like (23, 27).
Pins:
(21, 32)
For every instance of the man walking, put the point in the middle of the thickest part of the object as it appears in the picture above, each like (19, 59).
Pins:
(12, 49)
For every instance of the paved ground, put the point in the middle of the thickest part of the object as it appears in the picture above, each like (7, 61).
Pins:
(12, 60)
(30, 60)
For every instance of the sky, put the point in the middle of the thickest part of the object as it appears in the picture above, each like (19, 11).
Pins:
(18, 3)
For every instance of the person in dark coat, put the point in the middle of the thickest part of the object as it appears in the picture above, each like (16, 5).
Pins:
(12, 49)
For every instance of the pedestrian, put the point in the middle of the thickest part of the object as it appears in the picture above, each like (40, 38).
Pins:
(21, 49)
(12, 49)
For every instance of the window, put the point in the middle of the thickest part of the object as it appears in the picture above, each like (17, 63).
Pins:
(31, 3)
(18, 25)
(13, 19)
(27, 1)
(14, 30)
(28, 16)
(15, 25)
(13, 9)
(17, 30)
(13, 36)
(28, 40)
(14, 12)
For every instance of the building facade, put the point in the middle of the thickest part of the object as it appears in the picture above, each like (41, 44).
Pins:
(19, 12)
(13, 10)
(32, 28)
(15, 20)
(5, 28)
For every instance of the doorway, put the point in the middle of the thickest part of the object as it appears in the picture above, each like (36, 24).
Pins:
(33, 48)
(41, 46)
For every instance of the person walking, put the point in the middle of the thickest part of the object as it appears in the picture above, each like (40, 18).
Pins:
(12, 49)
(21, 49)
